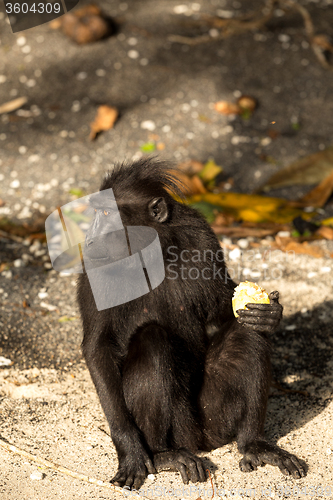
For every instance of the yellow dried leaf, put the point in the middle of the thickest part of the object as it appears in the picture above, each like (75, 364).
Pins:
(325, 232)
(104, 120)
(227, 108)
(318, 196)
(252, 208)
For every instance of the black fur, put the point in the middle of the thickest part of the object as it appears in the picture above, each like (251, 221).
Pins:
(174, 370)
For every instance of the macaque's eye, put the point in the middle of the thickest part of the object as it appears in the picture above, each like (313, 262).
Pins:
(95, 209)
(106, 212)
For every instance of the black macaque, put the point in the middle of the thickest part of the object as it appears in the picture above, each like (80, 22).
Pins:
(174, 370)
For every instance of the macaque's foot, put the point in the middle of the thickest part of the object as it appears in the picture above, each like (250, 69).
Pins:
(183, 461)
(133, 471)
(261, 453)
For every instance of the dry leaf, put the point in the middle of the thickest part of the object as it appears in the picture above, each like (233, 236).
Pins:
(191, 167)
(308, 170)
(84, 25)
(228, 108)
(320, 194)
(247, 103)
(289, 245)
(241, 232)
(325, 232)
(327, 222)
(104, 120)
(193, 185)
(210, 171)
(10, 106)
(252, 208)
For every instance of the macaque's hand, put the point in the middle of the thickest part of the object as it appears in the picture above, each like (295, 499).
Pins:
(263, 318)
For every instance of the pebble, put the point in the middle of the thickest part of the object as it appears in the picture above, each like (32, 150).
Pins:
(312, 274)
(325, 269)
(18, 263)
(43, 295)
(151, 477)
(283, 234)
(5, 361)
(291, 327)
(37, 476)
(235, 254)
(243, 243)
(82, 75)
(7, 274)
(133, 54)
(15, 184)
(148, 125)
(35, 246)
(49, 307)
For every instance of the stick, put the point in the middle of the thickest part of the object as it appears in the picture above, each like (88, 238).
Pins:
(64, 470)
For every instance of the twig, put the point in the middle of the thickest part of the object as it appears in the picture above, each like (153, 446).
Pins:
(251, 21)
(10, 236)
(278, 386)
(63, 470)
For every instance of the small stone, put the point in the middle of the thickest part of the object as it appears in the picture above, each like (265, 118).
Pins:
(21, 41)
(15, 184)
(151, 477)
(283, 234)
(243, 243)
(235, 254)
(7, 274)
(82, 75)
(49, 307)
(291, 327)
(148, 125)
(36, 476)
(133, 54)
(312, 274)
(18, 263)
(43, 295)
(5, 361)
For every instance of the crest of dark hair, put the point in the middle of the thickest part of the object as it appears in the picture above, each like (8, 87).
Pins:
(147, 175)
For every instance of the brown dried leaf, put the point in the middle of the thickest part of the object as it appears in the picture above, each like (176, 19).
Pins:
(10, 106)
(228, 108)
(308, 170)
(104, 120)
(325, 232)
(247, 103)
(84, 25)
(318, 196)
(193, 185)
(289, 245)
(191, 167)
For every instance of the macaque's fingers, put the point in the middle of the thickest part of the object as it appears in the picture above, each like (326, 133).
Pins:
(260, 313)
(264, 307)
(255, 320)
(274, 297)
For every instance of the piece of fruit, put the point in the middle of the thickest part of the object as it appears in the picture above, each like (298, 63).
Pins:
(248, 293)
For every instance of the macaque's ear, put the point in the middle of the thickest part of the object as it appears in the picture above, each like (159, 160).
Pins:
(158, 209)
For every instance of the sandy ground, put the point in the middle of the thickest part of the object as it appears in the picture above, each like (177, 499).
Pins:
(53, 412)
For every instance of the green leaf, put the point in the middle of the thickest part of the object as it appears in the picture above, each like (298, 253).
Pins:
(76, 192)
(206, 209)
(148, 147)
